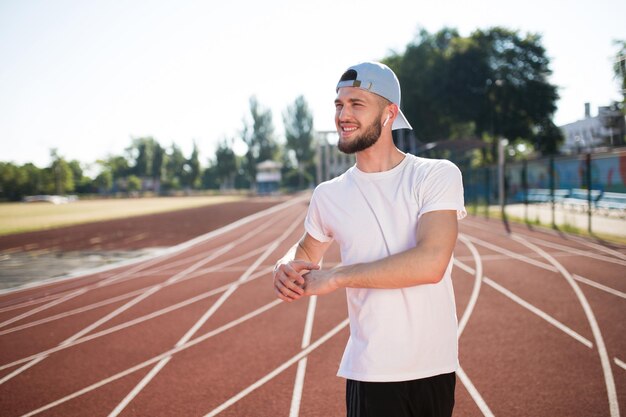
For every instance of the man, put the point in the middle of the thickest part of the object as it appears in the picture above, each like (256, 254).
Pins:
(394, 217)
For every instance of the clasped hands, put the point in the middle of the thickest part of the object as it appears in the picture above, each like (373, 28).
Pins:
(298, 278)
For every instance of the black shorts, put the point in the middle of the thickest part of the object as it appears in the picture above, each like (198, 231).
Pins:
(427, 397)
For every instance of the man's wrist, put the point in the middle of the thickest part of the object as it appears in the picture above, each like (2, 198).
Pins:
(337, 278)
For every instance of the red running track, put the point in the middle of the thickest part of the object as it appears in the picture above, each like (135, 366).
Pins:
(199, 332)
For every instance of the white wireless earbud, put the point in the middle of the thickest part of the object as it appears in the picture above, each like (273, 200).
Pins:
(386, 120)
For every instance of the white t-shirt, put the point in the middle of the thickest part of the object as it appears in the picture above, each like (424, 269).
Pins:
(395, 334)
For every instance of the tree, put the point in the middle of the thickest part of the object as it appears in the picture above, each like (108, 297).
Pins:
(62, 174)
(619, 68)
(174, 167)
(209, 179)
(493, 82)
(258, 135)
(149, 159)
(191, 169)
(104, 181)
(133, 184)
(298, 123)
(226, 164)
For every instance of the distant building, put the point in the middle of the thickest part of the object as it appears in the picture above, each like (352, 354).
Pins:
(330, 162)
(268, 177)
(604, 130)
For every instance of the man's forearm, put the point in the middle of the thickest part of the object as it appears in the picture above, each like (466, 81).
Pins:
(412, 267)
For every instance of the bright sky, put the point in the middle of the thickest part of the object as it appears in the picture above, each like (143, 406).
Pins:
(86, 76)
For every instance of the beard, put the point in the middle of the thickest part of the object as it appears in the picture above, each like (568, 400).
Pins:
(360, 143)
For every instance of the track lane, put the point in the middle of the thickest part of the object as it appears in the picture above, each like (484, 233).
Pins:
(490, 349)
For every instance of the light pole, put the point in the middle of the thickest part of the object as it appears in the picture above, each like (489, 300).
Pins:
(502, 144)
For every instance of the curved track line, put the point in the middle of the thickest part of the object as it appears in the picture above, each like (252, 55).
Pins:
(478, 278)
(591, 318)
(233, 287)
(157, 358)
(571, 237)
(303, 353)
(544, 265)
(478, 399)
(529, 306)
(565, 248)
(150, 291)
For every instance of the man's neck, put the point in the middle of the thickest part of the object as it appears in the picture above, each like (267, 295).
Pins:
(380, 157)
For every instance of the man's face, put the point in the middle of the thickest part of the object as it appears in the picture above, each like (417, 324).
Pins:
(358, 115)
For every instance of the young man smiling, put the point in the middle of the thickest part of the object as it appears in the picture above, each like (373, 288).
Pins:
(394, 216)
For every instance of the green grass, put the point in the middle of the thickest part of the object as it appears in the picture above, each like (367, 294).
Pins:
(25, 217)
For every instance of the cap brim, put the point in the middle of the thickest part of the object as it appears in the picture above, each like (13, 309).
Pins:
(401, 122)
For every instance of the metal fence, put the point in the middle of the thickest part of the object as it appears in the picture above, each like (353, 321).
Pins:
(593, 184)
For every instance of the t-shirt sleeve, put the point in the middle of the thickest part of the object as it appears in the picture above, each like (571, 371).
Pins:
(442, 189)
(313, 223)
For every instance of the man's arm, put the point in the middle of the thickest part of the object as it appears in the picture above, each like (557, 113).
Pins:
(424, 264)
(304, 256)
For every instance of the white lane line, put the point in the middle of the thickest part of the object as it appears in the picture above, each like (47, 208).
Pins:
(116, 278)
(619, 363)
(31, 301)
(591, 318)
(222, 267)
(157, 358)
(543, 265)
(167, 252)
(131, 395)
(599, 286)
(575, 251)
(303, 353)
(528, 306)
(478, 278)
(43, 307)
(135, 321)
(150, 291)
(298, 386)
(620, 261)
(494, 257)
(573, 238)
(473, 392)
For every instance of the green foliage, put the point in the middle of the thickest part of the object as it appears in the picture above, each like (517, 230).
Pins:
(133, 184)
(298, 122)
(104, 181)
(258, 135)
(191, 169)
(62, 174)
(491, 83)
(226, 168)
(619, 68)
(209, 178)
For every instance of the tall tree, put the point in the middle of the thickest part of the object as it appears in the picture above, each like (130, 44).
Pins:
(258, 135)
(298, 122)
(494, 81)
(191, 176)
(62, 174)
(174, 167)
(226, 164)
(619, 68)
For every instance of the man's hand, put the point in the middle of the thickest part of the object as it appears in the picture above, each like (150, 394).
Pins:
(319, 282)
(288, 281)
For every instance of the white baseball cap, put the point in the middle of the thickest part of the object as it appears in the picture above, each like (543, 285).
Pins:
(379, 79)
